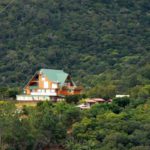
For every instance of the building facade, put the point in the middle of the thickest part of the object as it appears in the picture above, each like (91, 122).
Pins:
(49, 84)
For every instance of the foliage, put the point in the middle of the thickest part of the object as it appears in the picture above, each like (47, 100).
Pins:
(122, 102)
(104, 45)
(15, 133)
(103, 129)
(9, 93)
(101, 43)
(74, 98)
(99, 128)
(103, 91)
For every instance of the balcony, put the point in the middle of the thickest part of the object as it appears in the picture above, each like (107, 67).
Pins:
(45, 92)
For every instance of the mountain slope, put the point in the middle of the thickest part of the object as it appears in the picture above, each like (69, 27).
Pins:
(99, 42)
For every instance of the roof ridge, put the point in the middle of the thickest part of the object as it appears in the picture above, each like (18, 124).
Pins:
(51, 69)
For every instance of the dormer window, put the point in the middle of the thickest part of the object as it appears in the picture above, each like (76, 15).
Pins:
(43, 78)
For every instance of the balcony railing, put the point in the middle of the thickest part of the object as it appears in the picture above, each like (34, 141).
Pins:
(44, 92)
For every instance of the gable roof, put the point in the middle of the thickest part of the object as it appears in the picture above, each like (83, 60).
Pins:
(55, 75)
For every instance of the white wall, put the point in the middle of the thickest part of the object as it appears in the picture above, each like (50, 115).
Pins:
(120, 96)
(31, 98)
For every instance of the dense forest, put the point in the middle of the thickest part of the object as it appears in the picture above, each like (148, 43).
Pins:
(121, 125)
(104, 44)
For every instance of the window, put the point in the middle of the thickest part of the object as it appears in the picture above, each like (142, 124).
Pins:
(39, 90)
(45, 84)
(43, 79)
(52, 91)
(54, 85)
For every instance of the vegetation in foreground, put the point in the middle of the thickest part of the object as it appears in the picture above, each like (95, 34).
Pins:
(121, 125)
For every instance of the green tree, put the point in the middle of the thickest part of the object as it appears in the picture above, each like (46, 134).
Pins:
(122, 102)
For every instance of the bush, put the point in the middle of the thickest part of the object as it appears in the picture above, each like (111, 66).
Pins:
(74, 98)
(122, 102)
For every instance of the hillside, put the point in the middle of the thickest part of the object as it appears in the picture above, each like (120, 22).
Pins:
(100, 42)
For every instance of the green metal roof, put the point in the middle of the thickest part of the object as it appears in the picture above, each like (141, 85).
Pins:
(33, 87)
(55, 75)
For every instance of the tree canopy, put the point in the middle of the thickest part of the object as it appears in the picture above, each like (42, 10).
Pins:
(101, 43)
(64, 125)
